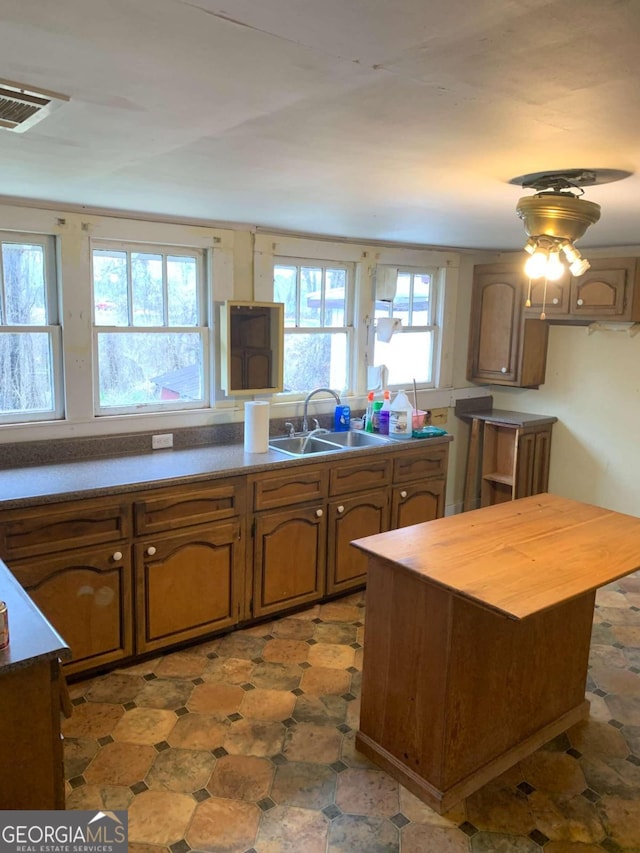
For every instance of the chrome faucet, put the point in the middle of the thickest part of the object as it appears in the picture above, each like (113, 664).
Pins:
(305, 420)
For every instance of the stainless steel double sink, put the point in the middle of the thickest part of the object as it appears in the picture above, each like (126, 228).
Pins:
(326, 442)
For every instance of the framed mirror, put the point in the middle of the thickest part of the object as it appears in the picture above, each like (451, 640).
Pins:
(251, 347)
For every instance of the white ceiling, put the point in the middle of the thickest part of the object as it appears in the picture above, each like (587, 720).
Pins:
(396, 120)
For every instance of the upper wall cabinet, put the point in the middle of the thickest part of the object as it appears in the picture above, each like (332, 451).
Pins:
(251, 347)
(504, 347)
(607, 291)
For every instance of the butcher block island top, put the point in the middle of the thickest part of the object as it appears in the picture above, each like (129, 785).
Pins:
(520, 557)
(477, 639)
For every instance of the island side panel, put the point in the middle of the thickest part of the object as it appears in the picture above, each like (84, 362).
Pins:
(404, 676)
(510, 679)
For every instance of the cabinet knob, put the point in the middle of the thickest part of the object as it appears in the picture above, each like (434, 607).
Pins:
(117, 556)
(151, 550)
(580, 301)
(503, 370)
(319, 513)
(556, 301)
(340, 508)
(403, 494)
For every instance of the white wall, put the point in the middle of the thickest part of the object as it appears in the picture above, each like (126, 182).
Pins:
(593, 388)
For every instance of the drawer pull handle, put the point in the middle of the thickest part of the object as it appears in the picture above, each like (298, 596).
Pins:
(151, 550)
(403, 494)
(319, 513)
(117, 556)
(340, 508)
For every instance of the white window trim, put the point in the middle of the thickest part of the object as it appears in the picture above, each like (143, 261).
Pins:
(202, 330)
(52, 328)
(348, 330)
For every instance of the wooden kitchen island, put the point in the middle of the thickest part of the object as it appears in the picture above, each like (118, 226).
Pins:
(477, 637)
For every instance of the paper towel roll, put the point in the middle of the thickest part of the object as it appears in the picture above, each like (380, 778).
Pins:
(256, 427)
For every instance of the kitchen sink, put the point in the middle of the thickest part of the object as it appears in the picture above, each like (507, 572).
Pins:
(325, 442)
(355, 438)
(302, 445)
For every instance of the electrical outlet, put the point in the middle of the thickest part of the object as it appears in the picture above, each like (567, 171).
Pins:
(159, 442)
(439, 416)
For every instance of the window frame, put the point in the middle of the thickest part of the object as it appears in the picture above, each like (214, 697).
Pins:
(436, 300)
(204, 329)
(52, 328)
(349, 329)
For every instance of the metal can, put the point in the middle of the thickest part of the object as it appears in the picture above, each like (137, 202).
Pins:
(4, 625)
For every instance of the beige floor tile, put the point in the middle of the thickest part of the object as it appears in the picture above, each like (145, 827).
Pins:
(181, 770)
(260, 704)
(320, 680)
(255, 737)
(288, 829)
(198, 731)
(181, 665)
(92, 720)
(241, 777)
(223, 826)
(331, 655)
(367, 792)
(308, 742)
(120, 764)
(159, 817)
(216, 698)
(145, 725)
(285, 651)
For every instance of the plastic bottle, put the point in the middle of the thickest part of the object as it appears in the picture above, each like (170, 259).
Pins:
(375, 415)
(342, 418)
(368, 426)
(383, 419)
(400, 417)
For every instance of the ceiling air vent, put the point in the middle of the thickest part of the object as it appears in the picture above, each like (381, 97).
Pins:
(21, 107)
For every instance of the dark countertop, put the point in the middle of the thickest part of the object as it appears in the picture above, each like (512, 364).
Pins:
(502, 416)
(53, 483)
(31, 636)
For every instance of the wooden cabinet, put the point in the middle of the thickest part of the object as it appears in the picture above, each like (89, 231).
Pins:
(288, 538)
(141, 572)
(288, 558)
(504, 347)
(85, 592)
(419, 479)
(515, 461)
(609, 290)
(189, 562)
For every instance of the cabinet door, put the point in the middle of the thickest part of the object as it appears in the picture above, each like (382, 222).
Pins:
(504, 348)
(495, 327)
(602, 290)
(353, 518)
(188, 585)
(288, 558)
(86, 595)
(532, 463)
(553, 298)
(414, 503)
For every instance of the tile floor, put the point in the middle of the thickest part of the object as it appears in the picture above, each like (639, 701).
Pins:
(246, 743)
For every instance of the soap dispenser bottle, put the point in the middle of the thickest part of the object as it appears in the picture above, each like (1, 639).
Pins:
(383, 416)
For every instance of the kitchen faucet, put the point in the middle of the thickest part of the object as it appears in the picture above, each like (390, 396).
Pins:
(305, 421)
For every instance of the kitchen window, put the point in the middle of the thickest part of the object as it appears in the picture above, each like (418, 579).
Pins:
(412, 349)
(318, 322)
(151, 339)
(30, 333)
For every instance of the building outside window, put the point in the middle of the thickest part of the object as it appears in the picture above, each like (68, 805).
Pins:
(318, 322)
(30, 333)
(411, 352)
(150, 328)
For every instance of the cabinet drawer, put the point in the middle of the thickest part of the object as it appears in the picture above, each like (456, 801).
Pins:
(172, 508)
(429, 462)
(46, 529)
(368, 473)
(291, 487)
